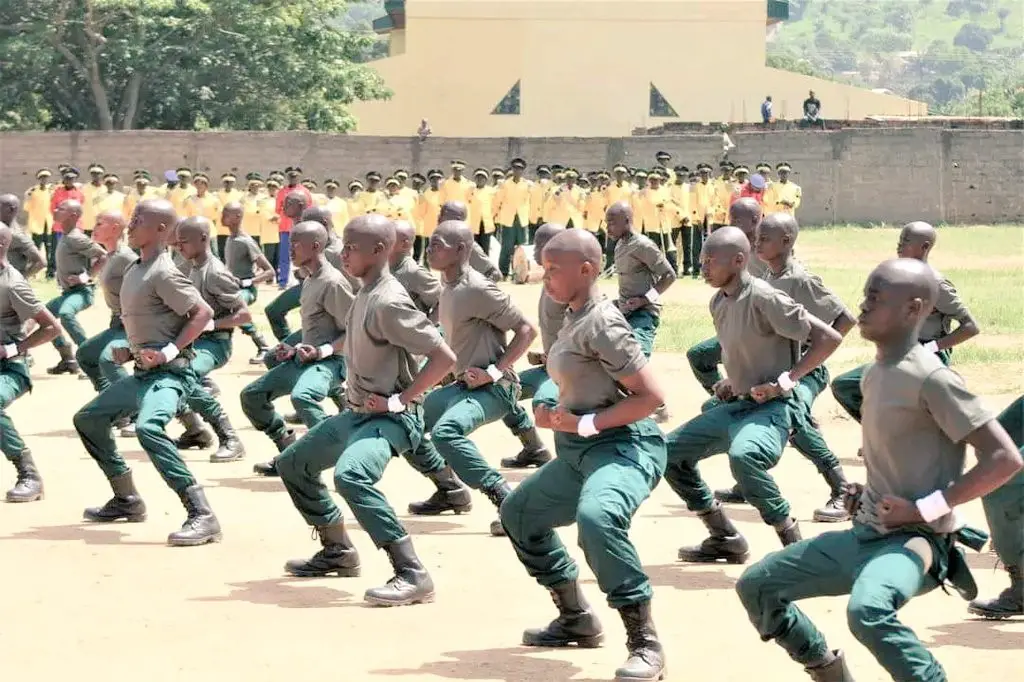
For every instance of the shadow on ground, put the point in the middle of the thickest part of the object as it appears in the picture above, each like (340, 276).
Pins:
(90, 534)
(287, 593)
(515, 664)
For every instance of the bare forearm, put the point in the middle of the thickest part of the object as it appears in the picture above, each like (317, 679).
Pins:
(41, 335)
(197, 322)
(439, 364)
(824, 341)
(664, 283)
(521, 343)
(965, 332)
(984, 477)
(236, 319)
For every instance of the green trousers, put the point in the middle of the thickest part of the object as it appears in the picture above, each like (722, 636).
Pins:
(806, 436)
(879, 572)
(249, 295)
(66, 308)
(156, 395)
(704, 358)
(278, 309)
(307, 384)
(645, 325)
(536, 386)
(753, 436)
(212, 351)
(598, 483)
(293, 339)
(358, 447)
(846, 387)
(1004, 507)
(511, 236)
(96, 357)
(14, 383)
(451, 413)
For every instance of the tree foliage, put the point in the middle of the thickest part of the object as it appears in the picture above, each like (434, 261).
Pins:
(181, 64)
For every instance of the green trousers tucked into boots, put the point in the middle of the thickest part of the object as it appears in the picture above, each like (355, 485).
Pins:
(645, 328)
(358, 447)
(806, 437)
(451, 413)
(704, 358)
(278, 309)
(1004, 507)
(212, 351)
(511, 236)
(536, 386)
(156, 395)
(597, 483)
(14, 383)
(66, 308)
(753, 435)
(846, 387)
(307, 384)
(96, 357)
(881, 573)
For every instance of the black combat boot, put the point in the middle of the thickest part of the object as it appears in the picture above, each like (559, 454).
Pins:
(67, 364)
(1010, 601)
(731, 495)
(497, 495)
(724, 543)
(210, 386)
(201, 526)
(411, 584)
(338, 556)
(451, 495)
(646, 657)
(789, 532)
(29, 486)
(124, 505)
(231, 447)
(269, 469)
(576, 622)
(196, 435)
(834, 510)
(533, 454)
(261, 349)
(835, 671)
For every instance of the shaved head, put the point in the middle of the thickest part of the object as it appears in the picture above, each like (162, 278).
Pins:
(233, 207)
(920, 230)
(194, 225)
(619, 218)
(156, 210)
(5, 238)
(727, 240)
(319, 214)
(70, 212)
(916, 241)
(782, 223)
(455, 232)
(453, 211)
(9, 202)
(544, 234)
(310, 230)
(580, 244)
(908, 278)
(404, 231)
(372, 229)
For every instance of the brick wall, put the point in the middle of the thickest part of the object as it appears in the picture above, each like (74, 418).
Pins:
(852, 175)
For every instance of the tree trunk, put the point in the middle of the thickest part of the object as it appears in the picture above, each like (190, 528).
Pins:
(130, 101)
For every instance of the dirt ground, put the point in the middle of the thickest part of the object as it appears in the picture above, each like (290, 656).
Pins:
(83, 602)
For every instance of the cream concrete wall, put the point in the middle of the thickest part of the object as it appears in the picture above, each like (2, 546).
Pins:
(586, 68)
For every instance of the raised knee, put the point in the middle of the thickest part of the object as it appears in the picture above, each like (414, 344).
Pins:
(303, 399)
(863, 618)
(750, 585)
(81, 420)
(347, 479)
(445, 430)
(693, 355)
(148, 430)
(594, 517)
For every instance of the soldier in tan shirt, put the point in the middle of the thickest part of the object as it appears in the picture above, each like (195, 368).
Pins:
(611, 455)
(918, 418)
(387, 335)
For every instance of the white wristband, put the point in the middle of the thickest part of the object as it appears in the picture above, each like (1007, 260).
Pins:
(931, 346)
(325, 351)
(209, 326)
(170, 352)
(933, 507)
(11, 350)
(586, 426)
(494, 373)
(785, 382)
(652, 295)
(246, 283)
(395, 404)
(83, 278)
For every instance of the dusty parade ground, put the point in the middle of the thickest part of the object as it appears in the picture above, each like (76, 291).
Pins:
(87, 602)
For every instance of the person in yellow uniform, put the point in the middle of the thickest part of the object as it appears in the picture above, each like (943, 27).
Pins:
(680, 216)
(594, 207)
(497, 177)
(372, 199)
(456, 187)
(538, 197)
(205, 204)
(400, 206)
(565, 203)
(652, 209)
(141, 189)
(336, 205)
(513, 206)
(725, 188)
(111, 199)
(766, 172)
(270, 235)
(254, 203)
(182, 192)
(229, 192)
(480, 202)
(702, 199)
(783, 195)
(319, 198)
(663, 160)
(419, 181)
(428, 208)
(90, 191)
(411, 193)
(37, 208)
(355, 202)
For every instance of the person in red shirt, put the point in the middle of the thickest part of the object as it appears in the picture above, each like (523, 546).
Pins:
(284, 224)
(753, 188)
(68, 190)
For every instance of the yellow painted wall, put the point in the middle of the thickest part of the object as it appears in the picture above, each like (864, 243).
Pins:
(586, 68)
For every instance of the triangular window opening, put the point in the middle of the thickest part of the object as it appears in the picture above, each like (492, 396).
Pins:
(509, 104)
(660, 106)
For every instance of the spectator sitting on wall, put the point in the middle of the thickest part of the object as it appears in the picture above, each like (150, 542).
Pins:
(727, 144)
(424, 130)
(766, 111)
(812, 111)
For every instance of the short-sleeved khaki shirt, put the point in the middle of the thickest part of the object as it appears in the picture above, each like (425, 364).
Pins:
(324, 304)
(22, 249)
(640, 265)
(75, 252)
(218, 287)
(760, 329)
(916, 415)
(808, 290)
(423, 287)
(183, 264)
(948, 307)
(476, 316)
(18, 304)
(241, 254)
(479, 261)
(386, 336)
(112, 277)
(332, 252)
(595, 349)
(550, 318)
(155, 301)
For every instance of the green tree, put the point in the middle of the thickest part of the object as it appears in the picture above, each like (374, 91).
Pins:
(973, 37)
(179, 64)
